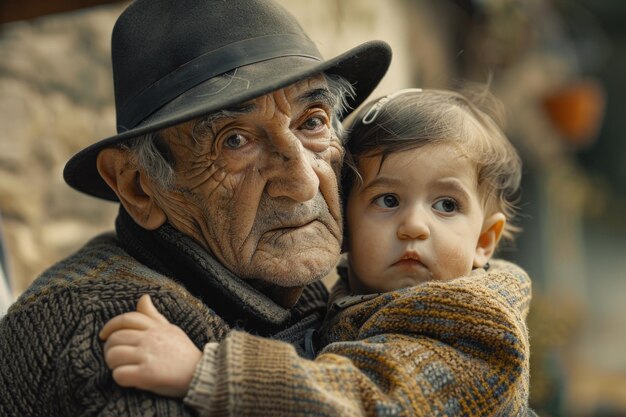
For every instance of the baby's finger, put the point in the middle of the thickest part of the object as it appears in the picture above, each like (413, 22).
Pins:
(120, 355)
(128, 337)
(145, 306)
(127, 376)
(132, 320)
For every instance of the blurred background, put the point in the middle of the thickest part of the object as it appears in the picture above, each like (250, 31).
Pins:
(558, 65)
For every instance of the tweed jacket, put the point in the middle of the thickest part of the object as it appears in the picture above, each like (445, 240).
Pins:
(457, 348)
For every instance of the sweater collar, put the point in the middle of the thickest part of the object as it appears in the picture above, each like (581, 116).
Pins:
(174, 254)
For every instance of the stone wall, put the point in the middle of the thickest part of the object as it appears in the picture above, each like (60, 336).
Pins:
(55, 98)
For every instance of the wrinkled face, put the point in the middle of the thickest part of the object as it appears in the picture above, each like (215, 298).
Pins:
(416, 218)
(257, 185)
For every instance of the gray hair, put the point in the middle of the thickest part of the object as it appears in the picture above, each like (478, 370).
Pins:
(342, 90)
(152, 154)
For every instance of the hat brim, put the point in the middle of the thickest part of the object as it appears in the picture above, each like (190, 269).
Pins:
(363, 66)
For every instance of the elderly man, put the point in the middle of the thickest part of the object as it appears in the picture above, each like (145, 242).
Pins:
(225, 167)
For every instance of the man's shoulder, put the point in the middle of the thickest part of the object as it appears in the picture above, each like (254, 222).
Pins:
(94, 255)
(100, 281)
(51, 333)
(99, 274)
(101, 262)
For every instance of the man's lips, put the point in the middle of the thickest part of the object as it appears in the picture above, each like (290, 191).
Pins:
(292, 226)
(303, 230)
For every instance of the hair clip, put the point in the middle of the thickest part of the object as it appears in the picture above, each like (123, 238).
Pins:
(372, 113)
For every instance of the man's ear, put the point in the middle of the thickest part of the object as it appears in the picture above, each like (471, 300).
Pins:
(131, 187)
(488, 239)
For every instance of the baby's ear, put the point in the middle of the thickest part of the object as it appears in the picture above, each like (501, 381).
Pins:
(488, 239)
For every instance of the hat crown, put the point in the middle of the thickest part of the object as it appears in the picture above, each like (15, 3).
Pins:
(153, 38)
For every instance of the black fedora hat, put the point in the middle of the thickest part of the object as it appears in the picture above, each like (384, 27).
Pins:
(175, 60)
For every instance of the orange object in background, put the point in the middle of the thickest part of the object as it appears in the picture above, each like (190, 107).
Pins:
(576, 111)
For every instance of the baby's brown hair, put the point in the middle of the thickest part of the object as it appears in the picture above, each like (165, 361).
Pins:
(469, 120)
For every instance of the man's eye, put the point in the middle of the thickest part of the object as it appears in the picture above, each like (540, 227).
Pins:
(387, 201)
(313, 123)
(446, 205)
(235, 141)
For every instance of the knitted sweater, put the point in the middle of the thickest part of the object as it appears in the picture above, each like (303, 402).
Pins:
(51, 359)
(457, 348)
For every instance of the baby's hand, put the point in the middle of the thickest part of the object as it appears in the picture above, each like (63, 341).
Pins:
(146, 351)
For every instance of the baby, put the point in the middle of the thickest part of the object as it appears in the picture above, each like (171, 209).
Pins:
(429, 184)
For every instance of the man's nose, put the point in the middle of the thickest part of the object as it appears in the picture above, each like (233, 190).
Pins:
(293, 175)
(413, 224)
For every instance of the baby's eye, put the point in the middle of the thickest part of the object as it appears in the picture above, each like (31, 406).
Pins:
(235, 141)
(387, 201)
(446, 205)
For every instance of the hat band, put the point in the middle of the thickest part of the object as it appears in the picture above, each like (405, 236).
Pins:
(209, 65)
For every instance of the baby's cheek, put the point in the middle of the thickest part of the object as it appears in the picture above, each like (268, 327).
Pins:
(455, 262)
